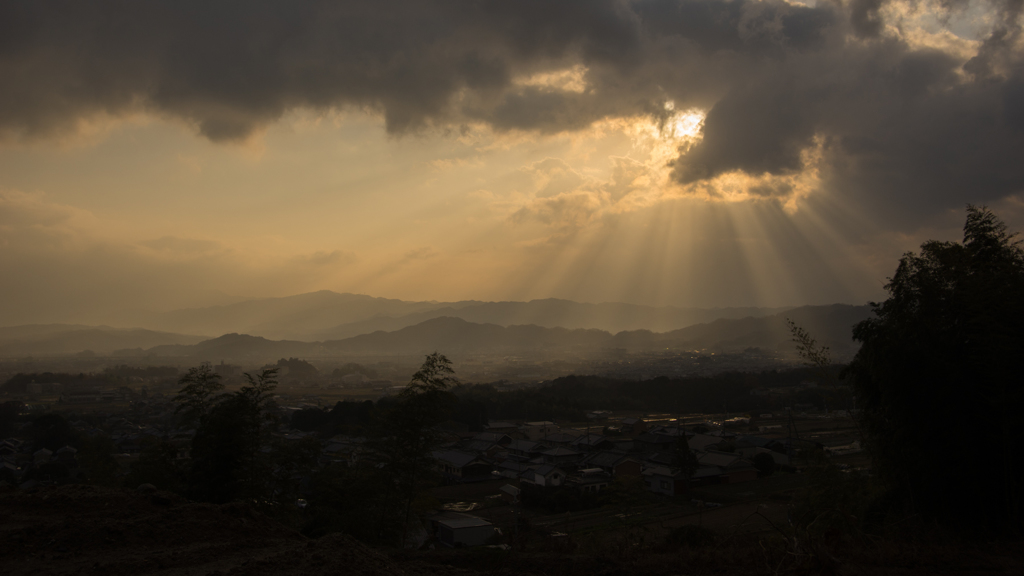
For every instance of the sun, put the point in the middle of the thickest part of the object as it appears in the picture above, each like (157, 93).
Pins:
(685, 125)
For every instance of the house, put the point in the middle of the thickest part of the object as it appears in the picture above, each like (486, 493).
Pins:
(666, 459)
(509, 493)
(667, 481)
(591, 480)
(510, 469)
(502, 428)
(10, 446)
(560, 455)
(560, 439)
(633, 426)
(705, 475)
(524, 449)
(546, 476)
(482, 447)
(613, 462)
(734, 468)
(11, 468)
(42, 456)
(537, 430)
(589, 442)
(651, 442)
(749, 452)
(455, 529)
(493, 437)
(844, 449)
(703, 442)
(68, 456)
(459, 467)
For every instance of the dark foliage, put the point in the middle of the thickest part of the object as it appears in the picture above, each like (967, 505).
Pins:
(570, 397)
(347, 417)
(353, 368)
(231, 449)
(51, 431)
(219, 453)
(18, 384)
(938, 378)
(9, 417)
(353, 501)
(764, 463)
(297, 368)
(145, 372)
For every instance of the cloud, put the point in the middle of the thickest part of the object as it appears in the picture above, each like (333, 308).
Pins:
(908, 123)
(60, 265)
(22, 210)
(552, 176)
(176, 245)
(566, 211)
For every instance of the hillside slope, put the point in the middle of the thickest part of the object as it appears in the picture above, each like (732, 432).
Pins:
(79, 529)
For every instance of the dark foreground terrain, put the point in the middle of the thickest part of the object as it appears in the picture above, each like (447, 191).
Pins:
(89, 530)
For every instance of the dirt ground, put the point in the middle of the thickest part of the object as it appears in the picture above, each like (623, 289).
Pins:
(90, 530)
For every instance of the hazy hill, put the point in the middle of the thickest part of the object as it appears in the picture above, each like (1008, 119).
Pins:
(237, 346)
(552, 313)
(457, 335)
(294, 317)
(71, 339)
(328, 315)
(831, 325)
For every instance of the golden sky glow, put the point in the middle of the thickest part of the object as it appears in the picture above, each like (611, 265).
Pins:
(145, 209)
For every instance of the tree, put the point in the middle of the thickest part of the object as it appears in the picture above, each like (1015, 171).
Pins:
(937, 375)
(411, 430)
(228, 460)
(198, 393)
(683, 458)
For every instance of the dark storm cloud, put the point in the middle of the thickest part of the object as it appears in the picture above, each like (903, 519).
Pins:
(232, 67)
(906, 129)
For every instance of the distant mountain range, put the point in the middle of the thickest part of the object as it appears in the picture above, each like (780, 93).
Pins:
(830, 325)
(53, 339)
(330, 324)
(326, 315)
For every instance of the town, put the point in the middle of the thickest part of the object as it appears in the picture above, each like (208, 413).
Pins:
(495, 483)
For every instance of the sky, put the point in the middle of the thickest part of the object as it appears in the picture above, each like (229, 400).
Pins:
(167, 154)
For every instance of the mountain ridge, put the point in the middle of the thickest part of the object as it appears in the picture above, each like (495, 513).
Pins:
(327, 315)
(831, 325)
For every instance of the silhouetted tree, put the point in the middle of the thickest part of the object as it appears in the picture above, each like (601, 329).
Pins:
(200, 386)
(939, 375)
(411, 430)
(228, 460)
(683, 458)
(8, 417)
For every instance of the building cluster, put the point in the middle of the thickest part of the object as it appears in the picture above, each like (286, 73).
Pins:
(543, 455)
